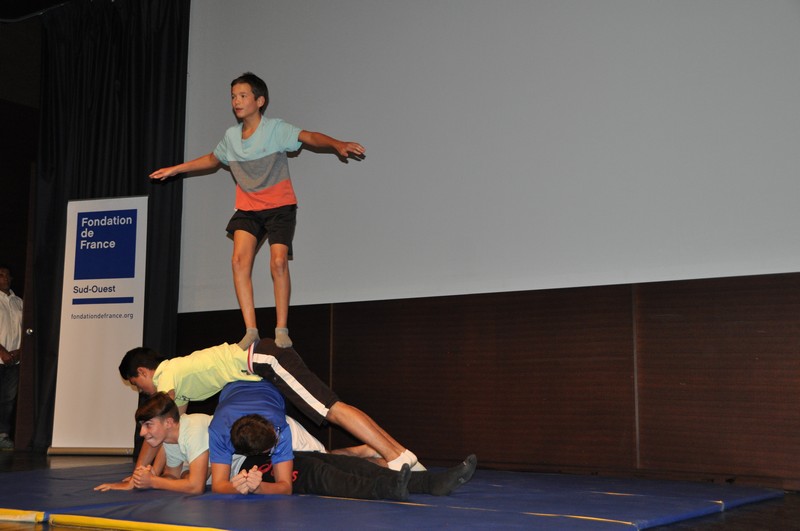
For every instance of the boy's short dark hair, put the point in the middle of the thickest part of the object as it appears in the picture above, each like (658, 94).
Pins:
(253, 435)
(139, 357)
(158, 405)
(257, 85)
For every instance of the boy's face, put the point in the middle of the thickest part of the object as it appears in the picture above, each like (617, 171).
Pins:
(143, 381)
(244, 102)
(154, 431)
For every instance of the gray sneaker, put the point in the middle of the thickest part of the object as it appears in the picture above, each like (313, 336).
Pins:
(6, 443)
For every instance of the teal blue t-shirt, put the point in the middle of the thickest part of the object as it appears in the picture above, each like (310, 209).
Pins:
(259, 163)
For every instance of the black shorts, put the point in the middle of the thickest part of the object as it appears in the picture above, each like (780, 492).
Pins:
(277, 224)
(284, 368)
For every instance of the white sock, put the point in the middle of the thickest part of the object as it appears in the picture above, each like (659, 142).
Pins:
(282, 339)
(406, 458)
(418, 467)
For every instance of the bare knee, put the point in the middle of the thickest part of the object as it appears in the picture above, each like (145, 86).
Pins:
(240, 263)
(336, 412)
(279, 266)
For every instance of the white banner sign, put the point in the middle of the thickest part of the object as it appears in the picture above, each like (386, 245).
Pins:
(102, 317)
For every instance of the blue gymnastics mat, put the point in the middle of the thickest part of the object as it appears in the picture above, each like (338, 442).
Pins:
(492, 499)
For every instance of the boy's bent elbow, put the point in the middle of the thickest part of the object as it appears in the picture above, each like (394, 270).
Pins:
(195, 490)
(279, 487)
(284, 488)
(220, 487)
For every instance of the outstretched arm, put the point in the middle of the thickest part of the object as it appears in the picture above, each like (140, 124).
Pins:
(147, 456)
(206, 162)
(344, 149)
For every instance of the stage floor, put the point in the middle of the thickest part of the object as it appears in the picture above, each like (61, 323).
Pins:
(61, 485)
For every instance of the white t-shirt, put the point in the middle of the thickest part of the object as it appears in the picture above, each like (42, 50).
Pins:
(10, 321)
(302, 441)
(192, 441)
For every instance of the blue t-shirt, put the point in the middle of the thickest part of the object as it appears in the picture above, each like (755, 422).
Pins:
(244, 398)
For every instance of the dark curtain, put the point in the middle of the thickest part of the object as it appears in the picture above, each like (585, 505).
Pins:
(113, 106)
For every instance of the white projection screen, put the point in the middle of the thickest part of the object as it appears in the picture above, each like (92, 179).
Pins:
(511, 144)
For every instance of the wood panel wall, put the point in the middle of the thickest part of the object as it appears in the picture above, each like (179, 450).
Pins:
(692, 380)
(719, 378)
(524, 380)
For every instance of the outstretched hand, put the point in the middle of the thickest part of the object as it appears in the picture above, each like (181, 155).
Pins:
(126, 484)
(351, 149)
(163, 173)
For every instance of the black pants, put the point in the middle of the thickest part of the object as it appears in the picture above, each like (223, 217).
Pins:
(286, 370)
(340, 475)
(9, 382)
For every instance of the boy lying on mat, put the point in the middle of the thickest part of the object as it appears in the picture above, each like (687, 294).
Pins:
(273, 466)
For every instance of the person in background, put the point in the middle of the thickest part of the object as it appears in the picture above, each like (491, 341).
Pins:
(10, 343)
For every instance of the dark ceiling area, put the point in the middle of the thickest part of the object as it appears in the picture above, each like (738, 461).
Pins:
(11, 10)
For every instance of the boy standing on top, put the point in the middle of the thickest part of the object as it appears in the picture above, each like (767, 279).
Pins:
(255, 151)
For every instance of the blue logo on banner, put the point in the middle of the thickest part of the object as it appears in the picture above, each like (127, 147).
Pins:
(106, 245)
